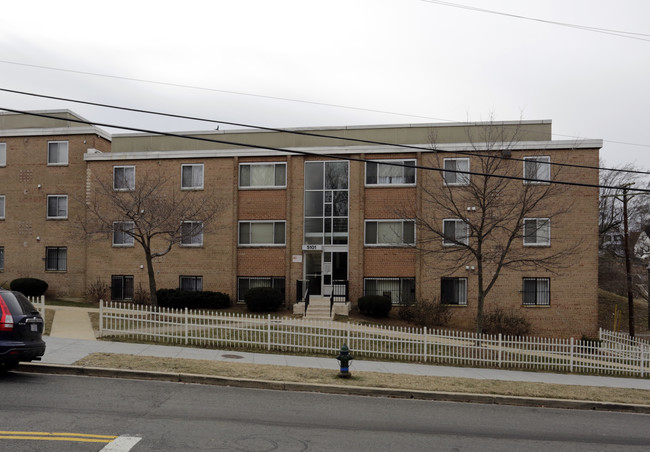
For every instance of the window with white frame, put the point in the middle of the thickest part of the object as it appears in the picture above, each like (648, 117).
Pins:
(123, 233)
(400, 291)
(537, 170)
(2, 207)
(3, 154)
(456, 171)
(263, 175)
(455, 232)
(192, 176)
(56, 258)
(390, 232)
(262, 233)
(537, 231)
(453, 291)
(246, 283)
(124, 178)
(192, 233)
(191, 283)
(57, 153)
(390, 172)
(57, 207)
(2, 258)
(536, 291)
(121, 287)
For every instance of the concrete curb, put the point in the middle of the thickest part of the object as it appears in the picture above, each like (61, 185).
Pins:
(57, 369)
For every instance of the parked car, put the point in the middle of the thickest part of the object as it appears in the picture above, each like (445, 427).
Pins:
(21, 330)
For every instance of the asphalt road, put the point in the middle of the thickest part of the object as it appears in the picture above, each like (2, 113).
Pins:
(181, 417)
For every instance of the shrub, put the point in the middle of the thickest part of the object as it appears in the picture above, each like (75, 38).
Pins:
(30, 287)
(374, 305)
(98, 290)
(508, 323)
(261, 299)
(176, 298)
(429, 313)
(141, 296)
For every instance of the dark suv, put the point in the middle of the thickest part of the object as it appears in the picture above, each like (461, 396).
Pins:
(21, 327)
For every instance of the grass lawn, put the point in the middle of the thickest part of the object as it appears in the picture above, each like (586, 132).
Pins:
(609, 304)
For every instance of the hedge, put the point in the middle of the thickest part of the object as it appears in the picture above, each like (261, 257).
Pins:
(176, 298)
(374, 305)
(30, 287)
(262, 299)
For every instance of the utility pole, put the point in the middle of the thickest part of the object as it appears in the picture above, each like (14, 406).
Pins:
(628, 269)
(648, 295)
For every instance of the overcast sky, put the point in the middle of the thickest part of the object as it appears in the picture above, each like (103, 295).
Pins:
(300, 63)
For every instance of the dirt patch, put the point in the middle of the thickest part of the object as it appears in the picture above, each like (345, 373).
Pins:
(367, 379)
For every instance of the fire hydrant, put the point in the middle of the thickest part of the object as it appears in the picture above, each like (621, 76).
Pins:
(344, 359)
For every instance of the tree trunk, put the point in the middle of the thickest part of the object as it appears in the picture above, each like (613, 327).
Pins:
(152, 279)
(481, 300)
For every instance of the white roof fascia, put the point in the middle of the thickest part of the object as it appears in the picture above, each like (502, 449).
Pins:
(86, 130)
(343, 150)
(334, 128)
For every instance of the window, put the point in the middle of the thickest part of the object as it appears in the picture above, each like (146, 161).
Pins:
(57, 153)
(453, 291)
(2, 258)
(537, 170)
(537, 232)
(191, 283)
(397, 172)
(265, 233)
(122, 233)
(121, 287)
(400, 291)
(57, 207)
(2, 207)
(124, 178)
(452, 174)
(246, 283)
(387, 232)
(192, 233)
(537, 292)
(326, 203)
(3, 154)
(56, 258)
(192, 177)
(262, 175)
(455, 232)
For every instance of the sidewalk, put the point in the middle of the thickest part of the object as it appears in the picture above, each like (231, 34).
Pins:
(71, 341)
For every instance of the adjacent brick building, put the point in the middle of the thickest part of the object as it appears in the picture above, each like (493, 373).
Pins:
(335, 206)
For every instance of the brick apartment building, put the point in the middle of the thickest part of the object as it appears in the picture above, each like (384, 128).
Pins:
(306, 204)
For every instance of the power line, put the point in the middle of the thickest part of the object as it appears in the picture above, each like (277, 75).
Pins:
(607, 31)
(285, 99)
(238, 93)
(307, 153)
(303, 133)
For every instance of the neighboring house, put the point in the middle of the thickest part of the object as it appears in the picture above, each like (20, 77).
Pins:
(614, 243)
(642, 246)
(612, 240)
(289, 215)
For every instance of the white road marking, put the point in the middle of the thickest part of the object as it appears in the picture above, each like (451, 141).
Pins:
(121, 444)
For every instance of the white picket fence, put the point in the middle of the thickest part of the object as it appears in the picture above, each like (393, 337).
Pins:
(611, 355)
(39, 304)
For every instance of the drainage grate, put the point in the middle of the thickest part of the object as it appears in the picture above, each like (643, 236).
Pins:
(233, 356)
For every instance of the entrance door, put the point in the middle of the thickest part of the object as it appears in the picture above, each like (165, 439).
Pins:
(313, 272)
(335, 269)
(324, 270)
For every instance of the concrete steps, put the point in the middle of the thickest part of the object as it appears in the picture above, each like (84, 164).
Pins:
(319, 308)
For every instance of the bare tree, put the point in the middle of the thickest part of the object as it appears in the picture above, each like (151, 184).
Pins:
(152, 212)
(480, 216)
(610, 203)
